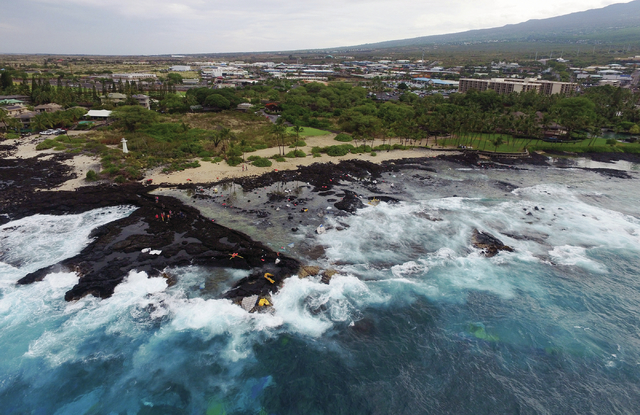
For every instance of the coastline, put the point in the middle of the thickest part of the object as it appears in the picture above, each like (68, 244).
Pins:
(49, 182)
(210, 172)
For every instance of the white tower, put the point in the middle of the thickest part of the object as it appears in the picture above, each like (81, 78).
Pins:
(124, 145)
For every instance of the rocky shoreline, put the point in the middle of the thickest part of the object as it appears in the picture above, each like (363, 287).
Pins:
(164, 232)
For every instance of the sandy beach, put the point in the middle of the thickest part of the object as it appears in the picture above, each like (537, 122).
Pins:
(211, 172)
(81, 163)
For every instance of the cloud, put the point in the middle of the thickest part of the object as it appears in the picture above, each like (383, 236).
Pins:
(193, 26)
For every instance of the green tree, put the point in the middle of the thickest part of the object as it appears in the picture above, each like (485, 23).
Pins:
(42, 121)
(173, 104)
(574, 114)
(497, 142)
(6, 81)
(297, 130)
(217, 101)
(133, 117)
(175, 78)
(279, 132)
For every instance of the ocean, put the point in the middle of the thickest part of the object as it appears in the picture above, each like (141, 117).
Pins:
(416, 320)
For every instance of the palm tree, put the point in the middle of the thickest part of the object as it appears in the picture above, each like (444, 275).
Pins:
(297, 129)
(278, 130)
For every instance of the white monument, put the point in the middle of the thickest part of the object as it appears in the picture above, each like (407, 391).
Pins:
(124, 145)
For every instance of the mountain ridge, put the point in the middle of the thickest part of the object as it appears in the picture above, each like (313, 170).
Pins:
(613, 23)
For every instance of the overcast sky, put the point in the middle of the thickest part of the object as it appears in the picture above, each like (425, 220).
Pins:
(150, 27)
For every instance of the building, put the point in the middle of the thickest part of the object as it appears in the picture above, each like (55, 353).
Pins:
(15, 110)
(507, 86)
(143, 100)
(113, 98)
(98, 114)
(26, 118)
(244, 107)
(53, 107)
(133, 76)
(11, 102)
(180, 68)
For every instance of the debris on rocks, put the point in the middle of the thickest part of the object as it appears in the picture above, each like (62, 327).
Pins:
(248, 303)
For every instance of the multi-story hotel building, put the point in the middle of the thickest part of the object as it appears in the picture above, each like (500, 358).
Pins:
(506, 86)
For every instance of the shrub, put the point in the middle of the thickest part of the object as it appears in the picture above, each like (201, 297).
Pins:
(298, 143)
(234, 161)
(336, 151)
(345, 138)
(260, 146)
(278, 158)
(399, 147)
(111, 170)
(361, 149)
(296, 153)
(119, 179)
(373, 153)
(262, 162)
(46, 144)
(234, 152)
(382, 147)
(92, 176)
(316, 150)
(253, 158)
(133, 173)
(612, 142)
(317, 155)
(217, 160)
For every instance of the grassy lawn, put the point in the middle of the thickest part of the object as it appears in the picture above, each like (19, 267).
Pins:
(517, 145)
(308, 132)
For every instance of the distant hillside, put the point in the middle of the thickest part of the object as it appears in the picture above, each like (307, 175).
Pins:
(617, 23)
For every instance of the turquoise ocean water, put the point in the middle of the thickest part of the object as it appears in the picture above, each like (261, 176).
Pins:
(416, 321)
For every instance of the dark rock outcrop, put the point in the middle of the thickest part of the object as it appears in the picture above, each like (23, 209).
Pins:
(350, 202)
(489, 244)
(180, 232)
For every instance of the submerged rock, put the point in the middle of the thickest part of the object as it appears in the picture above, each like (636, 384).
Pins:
(326, 275)
(308, 270)
(489, 244)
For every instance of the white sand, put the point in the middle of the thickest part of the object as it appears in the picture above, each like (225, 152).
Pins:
(81, 163)
(210, 172)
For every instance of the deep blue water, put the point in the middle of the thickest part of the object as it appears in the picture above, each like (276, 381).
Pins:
(415, 322)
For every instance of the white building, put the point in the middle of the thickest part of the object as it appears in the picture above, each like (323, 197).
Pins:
(180, 68)
(133, 76)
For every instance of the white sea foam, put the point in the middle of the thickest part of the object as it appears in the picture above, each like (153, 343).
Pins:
(576, 256)
(37, 241)
(408, 268)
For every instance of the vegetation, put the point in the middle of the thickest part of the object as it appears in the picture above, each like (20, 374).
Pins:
(345, 138)
(173, 137)
(262, 162)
